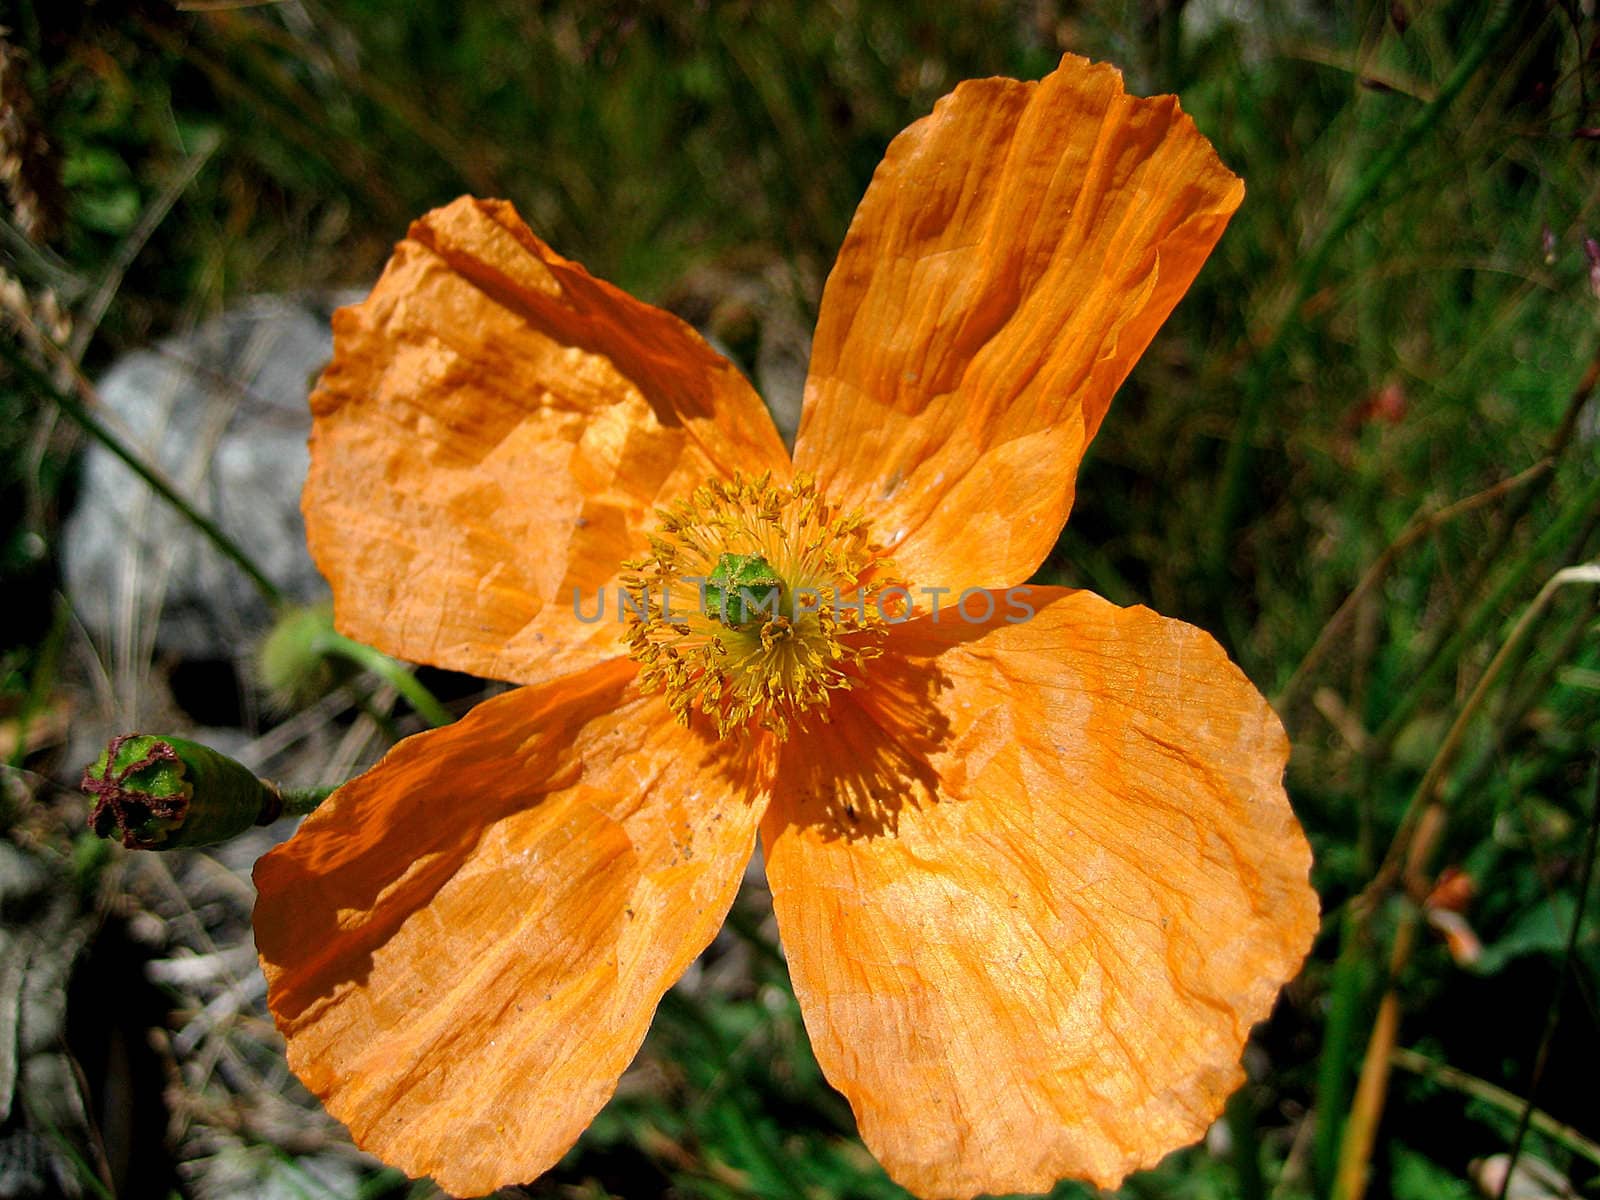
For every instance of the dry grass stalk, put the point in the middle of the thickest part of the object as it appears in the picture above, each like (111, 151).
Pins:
(28, 166)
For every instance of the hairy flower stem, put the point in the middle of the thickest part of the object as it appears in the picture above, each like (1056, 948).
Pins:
(390, 671)
(297, 802)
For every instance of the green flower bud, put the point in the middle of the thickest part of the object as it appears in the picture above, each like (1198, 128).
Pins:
(305, 657)
(298, 662)
(158, 793)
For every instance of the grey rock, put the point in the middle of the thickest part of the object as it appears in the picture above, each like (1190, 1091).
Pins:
(781, 364)
(222, 411)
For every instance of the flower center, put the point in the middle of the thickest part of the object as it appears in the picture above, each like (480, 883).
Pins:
(757, 602)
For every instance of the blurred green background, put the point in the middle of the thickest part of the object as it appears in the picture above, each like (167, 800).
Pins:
(1357, 453)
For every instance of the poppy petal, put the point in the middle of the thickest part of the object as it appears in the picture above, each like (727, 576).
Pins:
(464, 946)
(496, 430)
(1031, 927)
(1014, 255)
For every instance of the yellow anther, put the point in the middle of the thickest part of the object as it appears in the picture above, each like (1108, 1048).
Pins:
(775, 664)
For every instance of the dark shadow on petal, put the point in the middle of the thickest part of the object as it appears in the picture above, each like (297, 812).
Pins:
(385, 844)
(390, 840)
(853, 773)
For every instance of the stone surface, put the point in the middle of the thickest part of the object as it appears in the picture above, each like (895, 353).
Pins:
(222, 411)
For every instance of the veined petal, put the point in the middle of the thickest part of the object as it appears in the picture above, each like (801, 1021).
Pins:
(1036, 891)
(1014, 255)
(465, 945)
(496, 429)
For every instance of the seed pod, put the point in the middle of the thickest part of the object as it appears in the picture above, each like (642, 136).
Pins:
(159, 793)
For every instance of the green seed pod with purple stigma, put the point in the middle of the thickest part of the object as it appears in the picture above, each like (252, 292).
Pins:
(161, 792)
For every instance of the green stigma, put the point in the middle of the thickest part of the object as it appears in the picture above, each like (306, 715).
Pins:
(742, 589)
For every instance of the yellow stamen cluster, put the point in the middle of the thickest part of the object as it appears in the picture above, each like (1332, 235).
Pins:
(790, 644)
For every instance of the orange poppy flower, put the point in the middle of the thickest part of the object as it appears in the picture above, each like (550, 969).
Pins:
(1036, 878)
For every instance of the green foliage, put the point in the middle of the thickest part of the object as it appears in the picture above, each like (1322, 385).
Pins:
(1543, 929)
(1415, 1177)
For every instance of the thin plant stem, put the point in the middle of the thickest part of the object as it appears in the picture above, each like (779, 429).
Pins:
(298, 801)
(1481, 1089)
(42, 264)
(298, 126)
(1246, 1153)
(375, 707)
(390, 671)
(1516, 700)
(1430, 790)
(1408, 856)
(769, 1160)
(37, 697)
(95, 310)
(1525, 696)
(1422, 523)
(750, 932)
(1436, 641)
(1353, 206)
(1553, 1016)
(1361, 1128)
(1338, 1046)
(1551, 542)
(95, 1175)
(153, 478)
(473, 170)
(380, 664)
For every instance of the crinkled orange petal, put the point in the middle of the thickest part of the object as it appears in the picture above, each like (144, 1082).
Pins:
(1014, 255)
(465, 945)
(1035, 890)
(495, 430)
